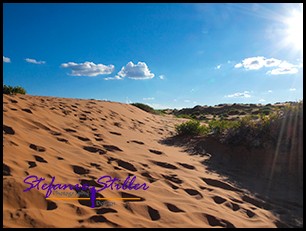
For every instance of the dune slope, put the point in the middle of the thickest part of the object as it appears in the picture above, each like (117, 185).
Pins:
(78, 140)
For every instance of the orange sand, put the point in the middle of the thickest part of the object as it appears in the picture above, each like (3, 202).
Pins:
(47, 136)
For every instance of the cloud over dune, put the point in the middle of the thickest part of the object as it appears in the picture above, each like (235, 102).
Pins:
(34, 61)
(88, 69)
(244, 94)
(135, 71)
(279, 66)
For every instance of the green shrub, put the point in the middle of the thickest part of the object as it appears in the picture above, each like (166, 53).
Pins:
(233, 112)
(13, 90)
(185, 116)
(191, 128)
(220, 126)
(144, 107)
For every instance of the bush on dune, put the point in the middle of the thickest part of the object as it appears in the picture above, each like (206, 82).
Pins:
(144, 107)
(191, 128)
(13, 90)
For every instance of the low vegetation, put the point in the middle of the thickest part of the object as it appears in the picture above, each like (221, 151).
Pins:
(253, 131)
(147, 108)
(13, 90)
(191, 128)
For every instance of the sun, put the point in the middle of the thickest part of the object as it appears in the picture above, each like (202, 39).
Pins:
(294, 29)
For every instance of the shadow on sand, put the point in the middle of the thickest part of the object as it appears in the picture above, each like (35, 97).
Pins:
(273, 176)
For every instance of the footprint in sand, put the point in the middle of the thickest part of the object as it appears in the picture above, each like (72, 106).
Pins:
(90, 183)
(96, 165)
(115, 133)
(164, 165)
(6, 170)
(186, 166)
(69, 130)
(37, 148)
(79, 170)
(32, 164)
(83, 138)
(8, 130)
(100, 218)
(220, 184)
(149, 177)
(129, 195)
(106, 210)
(94, 150)
(126, 165)
(213, 221)
(98, 139)
(13, 101)
(14, 109)
(112, 148)
(62, 140)
(153, 213)
(78, 210)
(233, 206)
(173, 208)
(60, 158)
(40, 125)
(51, 205)
(155, 152)
(172, 185)
(137, 142)
(173, 178)
(218, 200)
(27, 110)
(117, 124)
(249, 213)
(98, 135)
(55, 133)
(40, 159)
(193, 192)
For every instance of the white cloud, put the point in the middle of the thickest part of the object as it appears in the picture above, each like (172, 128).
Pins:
(187, 101)
(149, 98)
(284, 68)
(88, 69)
(6, 59)
(218, 67)
(270, 91)
(34, 61)
(292, 89)
(135, 71)
(280, 67)
(113, 78)
(255, 63)
(162, 77)
(261, 100)
(244, 94)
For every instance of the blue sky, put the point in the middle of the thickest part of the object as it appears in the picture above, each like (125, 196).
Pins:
(165, 55)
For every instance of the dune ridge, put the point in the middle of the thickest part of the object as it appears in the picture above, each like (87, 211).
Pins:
(79, 140)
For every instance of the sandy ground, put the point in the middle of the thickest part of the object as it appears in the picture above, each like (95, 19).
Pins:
(77, 140)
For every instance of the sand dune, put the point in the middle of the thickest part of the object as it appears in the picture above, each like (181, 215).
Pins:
(78, 140)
